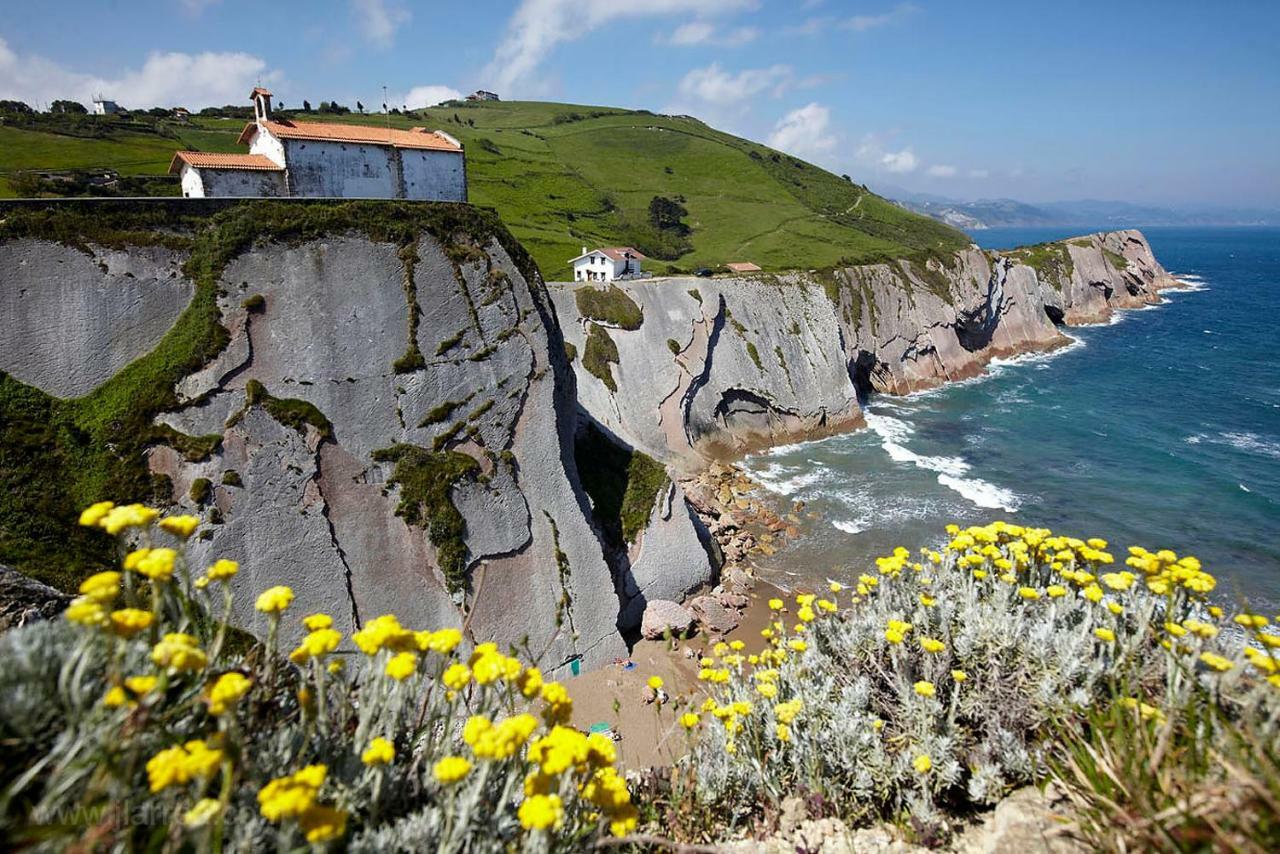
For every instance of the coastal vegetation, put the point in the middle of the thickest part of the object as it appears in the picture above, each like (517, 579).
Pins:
(609, 305)
(622, 483)
(929, 687)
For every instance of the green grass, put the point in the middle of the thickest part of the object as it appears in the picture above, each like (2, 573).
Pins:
(58, 456)
(1051, 261)
(609, 305)
(1118, 261)
(561, 182)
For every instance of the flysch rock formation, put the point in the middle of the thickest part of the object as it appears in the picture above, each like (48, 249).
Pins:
(320, 327)
(81, 319)
(345, 350)
(766, 360)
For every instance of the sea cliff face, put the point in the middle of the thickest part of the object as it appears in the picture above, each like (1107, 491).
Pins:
(722, 366)
(384, 407)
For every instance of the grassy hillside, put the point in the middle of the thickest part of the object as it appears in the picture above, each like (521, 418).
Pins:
(563, 176)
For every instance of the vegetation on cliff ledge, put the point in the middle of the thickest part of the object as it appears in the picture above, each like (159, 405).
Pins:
(623, 483)
(609, 305)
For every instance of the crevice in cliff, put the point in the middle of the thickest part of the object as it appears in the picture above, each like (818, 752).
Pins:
(700, 379)
(333, 538)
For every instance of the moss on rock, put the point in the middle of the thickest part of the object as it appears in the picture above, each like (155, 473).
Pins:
(599, 354)
(426, 480)
(609, 305)
(622, 484)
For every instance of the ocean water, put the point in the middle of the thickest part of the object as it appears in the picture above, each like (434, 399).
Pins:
(1161, 429)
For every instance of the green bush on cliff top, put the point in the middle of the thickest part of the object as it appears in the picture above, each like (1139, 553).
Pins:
(609, 305)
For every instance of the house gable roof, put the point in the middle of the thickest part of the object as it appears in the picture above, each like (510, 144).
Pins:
(614, 253)
(213, 160)
(418, 138)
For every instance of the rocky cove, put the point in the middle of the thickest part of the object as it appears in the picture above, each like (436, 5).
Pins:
(384, 406)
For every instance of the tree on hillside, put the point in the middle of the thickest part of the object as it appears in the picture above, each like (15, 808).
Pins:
(14, 107)
(666, 215)
(61, 106)
(360, 107)
(306, 106)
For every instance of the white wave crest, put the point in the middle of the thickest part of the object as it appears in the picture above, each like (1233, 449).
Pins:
(951, 470)
(848, 527)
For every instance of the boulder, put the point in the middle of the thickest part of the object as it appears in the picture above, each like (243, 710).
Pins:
(713, 616)
(662, 616)
(24, 600)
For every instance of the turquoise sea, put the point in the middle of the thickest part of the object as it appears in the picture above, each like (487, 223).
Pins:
(1161, 429)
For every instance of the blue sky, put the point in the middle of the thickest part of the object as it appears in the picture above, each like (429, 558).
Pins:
(1159, 102)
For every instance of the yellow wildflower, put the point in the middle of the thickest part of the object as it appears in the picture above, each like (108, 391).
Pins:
(1216, 662)
(689, 720)
(116, 519)
(1029, 593)
(291, 796)
(92, 515)
(155, 564)
(178, 652)
(922, 763)
(274, 600)
(655, 682)
(932, 645)
(315, 622)
(541, 812)
(379, 752)
(141, 685)
(451, 769)
(782, 732)
(222, 570)
(1104, 634)
(924, 688)
(959, 675)
(180, 526)
(115, 697)
(1250, 621)
(127, 622)
(101, 587)
(776, 604)
(402, 665)
(321, 823)
(226, 691)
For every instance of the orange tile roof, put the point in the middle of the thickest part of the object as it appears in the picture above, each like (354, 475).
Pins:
(615, 253)
(743, 267)
(212, 160)
(258, 90)
(355, 134)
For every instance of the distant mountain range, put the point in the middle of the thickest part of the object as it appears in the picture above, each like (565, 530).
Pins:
(1095, 213)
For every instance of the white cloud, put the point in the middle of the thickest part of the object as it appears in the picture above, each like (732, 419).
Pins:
(804, 132)
(862, 23)
(900, 162)
(979, 173)
(694, 32)
(428, 96)
(858, 23)
(538, 26)
(705, 32)
(379, 19)
(942, 170)
(714, 85)
(165, 79)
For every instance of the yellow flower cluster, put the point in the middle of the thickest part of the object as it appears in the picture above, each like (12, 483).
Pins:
(178, 653)
(1166, 572)
(498, 741)
(294, 797)
(227, 690)
(180, 764)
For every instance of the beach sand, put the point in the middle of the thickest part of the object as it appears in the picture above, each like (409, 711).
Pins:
(651, 734)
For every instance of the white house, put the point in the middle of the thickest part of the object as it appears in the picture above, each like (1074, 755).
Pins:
(105, 107)
(482, 95)
(288, 158)
(606, 264)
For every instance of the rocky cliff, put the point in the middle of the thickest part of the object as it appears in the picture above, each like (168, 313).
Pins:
(368, 402)
(376, 404)
(719, 366)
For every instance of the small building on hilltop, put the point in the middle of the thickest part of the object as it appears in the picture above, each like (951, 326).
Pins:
(607, 264)
(105, 106)
(323, 159)
(742, 267)
(482, 95)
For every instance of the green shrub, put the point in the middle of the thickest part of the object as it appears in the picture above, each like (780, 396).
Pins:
(622, 484)
(201, 490)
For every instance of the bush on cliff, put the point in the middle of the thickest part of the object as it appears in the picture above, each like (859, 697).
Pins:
(131, 723)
